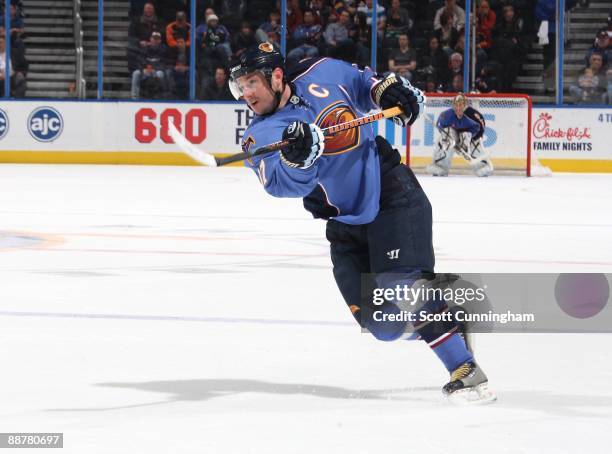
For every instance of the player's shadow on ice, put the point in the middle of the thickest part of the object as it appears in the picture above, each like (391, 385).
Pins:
(568, 405)
(205, 389)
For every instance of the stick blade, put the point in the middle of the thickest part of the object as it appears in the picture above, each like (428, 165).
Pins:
(189, 149)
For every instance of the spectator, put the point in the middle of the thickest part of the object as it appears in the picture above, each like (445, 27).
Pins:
(591, 85)
(455, 69)
(456, 85)
(179, 72)
(609, 90)
(431, 86)
(455, 13)
(217, 89)
(307, 38)
(447, 34)
(139, 34)
(17, 24)
(150, 78)
(337, 38)
(487, 81)
(508, 47)
(18, 68)
(460, 45)
(596, 64)
(321, 11)
(141, 27)
(180, 28)
(436, 60)
(398, 20)
(381, 17)
(18, 4)
(485, 23)
(213, 40)
(481, 55)
(602, 45)
(404, 59)
(242, 40)
(207, 12)
(360, 34)
(590, 88)
(271, 27)
(295, 16)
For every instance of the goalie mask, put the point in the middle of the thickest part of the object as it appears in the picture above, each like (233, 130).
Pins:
(460, 103)
(261, 58)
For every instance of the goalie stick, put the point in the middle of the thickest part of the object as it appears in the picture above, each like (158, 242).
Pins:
(208, 159)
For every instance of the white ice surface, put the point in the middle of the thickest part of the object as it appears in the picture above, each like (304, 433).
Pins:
(183, 310)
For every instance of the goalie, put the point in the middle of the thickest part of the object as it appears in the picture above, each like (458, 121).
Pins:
(461, 130)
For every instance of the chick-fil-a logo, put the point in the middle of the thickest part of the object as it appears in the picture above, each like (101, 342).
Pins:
(543, 130)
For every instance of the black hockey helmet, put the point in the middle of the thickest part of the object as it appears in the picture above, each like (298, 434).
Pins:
(261, 57)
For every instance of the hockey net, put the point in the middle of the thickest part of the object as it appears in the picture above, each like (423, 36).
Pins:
(507, 136)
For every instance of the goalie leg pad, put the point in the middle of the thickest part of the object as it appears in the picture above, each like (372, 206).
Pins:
(461, 145)
(443, 155)
(479, 159)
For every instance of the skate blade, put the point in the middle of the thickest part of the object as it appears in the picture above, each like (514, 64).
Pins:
(478, 395)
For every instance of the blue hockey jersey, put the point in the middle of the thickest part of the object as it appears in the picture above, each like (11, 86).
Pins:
(471, 121)
(344, 183)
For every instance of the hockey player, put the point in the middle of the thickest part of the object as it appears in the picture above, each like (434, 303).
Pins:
(378, 217)
(461, 129)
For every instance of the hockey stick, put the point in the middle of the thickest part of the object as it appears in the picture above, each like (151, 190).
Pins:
(208, 159)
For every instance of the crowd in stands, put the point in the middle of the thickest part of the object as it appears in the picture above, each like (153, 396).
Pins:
(421, 39)
(594, 84)
(18, 66)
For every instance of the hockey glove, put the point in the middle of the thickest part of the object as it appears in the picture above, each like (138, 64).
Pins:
(306, 145)
(393, 91)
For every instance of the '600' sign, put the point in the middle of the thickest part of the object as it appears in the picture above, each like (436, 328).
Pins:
(149, 125)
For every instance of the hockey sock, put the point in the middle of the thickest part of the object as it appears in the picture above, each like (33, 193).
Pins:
(452, 351)
(443, 337)
(440, 331)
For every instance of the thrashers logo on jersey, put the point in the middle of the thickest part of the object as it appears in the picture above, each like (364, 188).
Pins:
(342, 141)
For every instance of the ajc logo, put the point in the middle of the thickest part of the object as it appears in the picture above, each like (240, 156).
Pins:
(4, 124)
(45, 124)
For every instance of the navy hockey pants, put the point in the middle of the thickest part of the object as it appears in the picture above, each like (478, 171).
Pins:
(399, 240)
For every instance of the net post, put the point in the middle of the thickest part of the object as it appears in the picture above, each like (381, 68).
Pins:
(528, 135)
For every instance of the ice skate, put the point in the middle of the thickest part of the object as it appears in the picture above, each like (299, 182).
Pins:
(469, 386)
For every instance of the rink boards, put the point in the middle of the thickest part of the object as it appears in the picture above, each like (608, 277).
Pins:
(564, 139)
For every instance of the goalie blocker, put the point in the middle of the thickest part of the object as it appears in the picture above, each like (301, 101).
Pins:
(461, 130)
